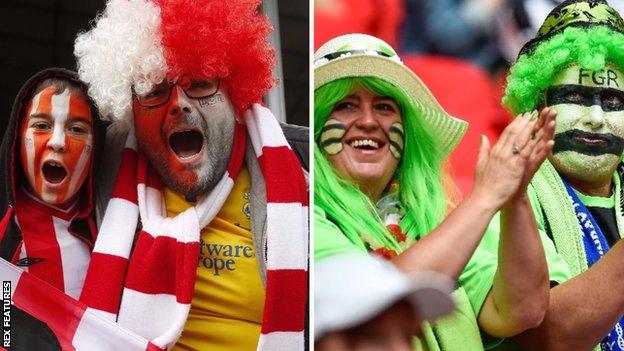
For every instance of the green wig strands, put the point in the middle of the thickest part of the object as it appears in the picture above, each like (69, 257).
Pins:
(532, 74)
(419, 173)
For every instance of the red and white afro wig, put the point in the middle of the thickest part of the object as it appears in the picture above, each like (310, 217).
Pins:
(138, 43)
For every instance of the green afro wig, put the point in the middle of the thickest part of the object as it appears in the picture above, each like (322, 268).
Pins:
(532, 74)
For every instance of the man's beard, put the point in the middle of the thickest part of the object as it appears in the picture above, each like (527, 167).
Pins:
(568, 141)
(218, 135)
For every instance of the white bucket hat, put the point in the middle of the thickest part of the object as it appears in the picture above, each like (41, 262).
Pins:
(361, 55)
(352, 289)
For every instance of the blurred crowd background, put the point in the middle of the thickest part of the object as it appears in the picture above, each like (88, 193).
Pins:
(461, 49)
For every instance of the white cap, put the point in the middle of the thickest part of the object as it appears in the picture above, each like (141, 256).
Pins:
(353, 289)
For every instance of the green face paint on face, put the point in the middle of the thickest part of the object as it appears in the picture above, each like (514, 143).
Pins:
(589, 135)
(331, 136)
(396, 136)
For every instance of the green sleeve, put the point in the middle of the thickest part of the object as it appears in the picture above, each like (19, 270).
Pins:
(478, 276)
(329, 239)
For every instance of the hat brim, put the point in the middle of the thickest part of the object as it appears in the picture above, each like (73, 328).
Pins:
(446, 129)
(430, 295)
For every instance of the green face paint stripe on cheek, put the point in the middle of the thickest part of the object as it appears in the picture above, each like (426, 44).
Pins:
(396, 136)
(331, 136)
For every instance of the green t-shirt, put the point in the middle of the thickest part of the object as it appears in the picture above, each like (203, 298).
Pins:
(456, 332)
(478, 275)
(557, 267)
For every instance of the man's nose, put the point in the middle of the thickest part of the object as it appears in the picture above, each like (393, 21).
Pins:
(594, 118)
(180, 103)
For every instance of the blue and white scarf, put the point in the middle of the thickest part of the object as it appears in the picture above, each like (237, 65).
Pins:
(596, 246)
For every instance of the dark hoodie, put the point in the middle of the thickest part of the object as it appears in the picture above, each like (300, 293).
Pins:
(29, 333)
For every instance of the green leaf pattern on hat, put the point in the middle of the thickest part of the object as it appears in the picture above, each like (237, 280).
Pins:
(593, 12)
(387, 50)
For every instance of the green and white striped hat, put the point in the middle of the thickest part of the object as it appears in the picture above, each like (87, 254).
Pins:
(361, 55)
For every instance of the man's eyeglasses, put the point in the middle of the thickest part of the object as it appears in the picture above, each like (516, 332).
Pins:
(198, 89)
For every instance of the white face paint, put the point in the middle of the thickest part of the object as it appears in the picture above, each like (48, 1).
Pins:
(590, 122)
(56, 147)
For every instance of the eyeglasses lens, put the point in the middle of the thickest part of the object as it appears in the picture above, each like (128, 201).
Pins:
(196, 90)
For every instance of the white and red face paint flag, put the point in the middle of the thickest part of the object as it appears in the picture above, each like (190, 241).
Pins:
(56, 144)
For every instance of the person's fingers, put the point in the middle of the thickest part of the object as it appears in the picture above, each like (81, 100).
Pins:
(550, 128)
(547, 115)
(524, 136)
(510, 132)
(518, 136)
(547, 131)
(541, 119)
(529, 149)
(545, 150)
(541, 145)
(484, 150)
(541, 151)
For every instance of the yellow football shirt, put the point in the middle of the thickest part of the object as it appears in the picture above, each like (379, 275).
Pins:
(226, 311)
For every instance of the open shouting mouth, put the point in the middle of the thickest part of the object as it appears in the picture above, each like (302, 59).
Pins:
(54, 172)
(186, 144)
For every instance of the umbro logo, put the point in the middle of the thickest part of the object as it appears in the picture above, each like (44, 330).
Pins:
(29, 261)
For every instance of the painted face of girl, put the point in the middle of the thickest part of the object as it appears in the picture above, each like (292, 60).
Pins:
(56, 144)
(363, 138)
(589, 137)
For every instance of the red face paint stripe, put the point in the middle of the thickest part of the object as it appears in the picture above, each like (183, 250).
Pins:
(78, 106)
(39, 141)
(286, 300)
(74, 147)
(45, 101)
(39, 138)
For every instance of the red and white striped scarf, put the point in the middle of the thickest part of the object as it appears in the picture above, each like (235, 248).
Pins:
(48, 249)
(75, 326)
(147, 289)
